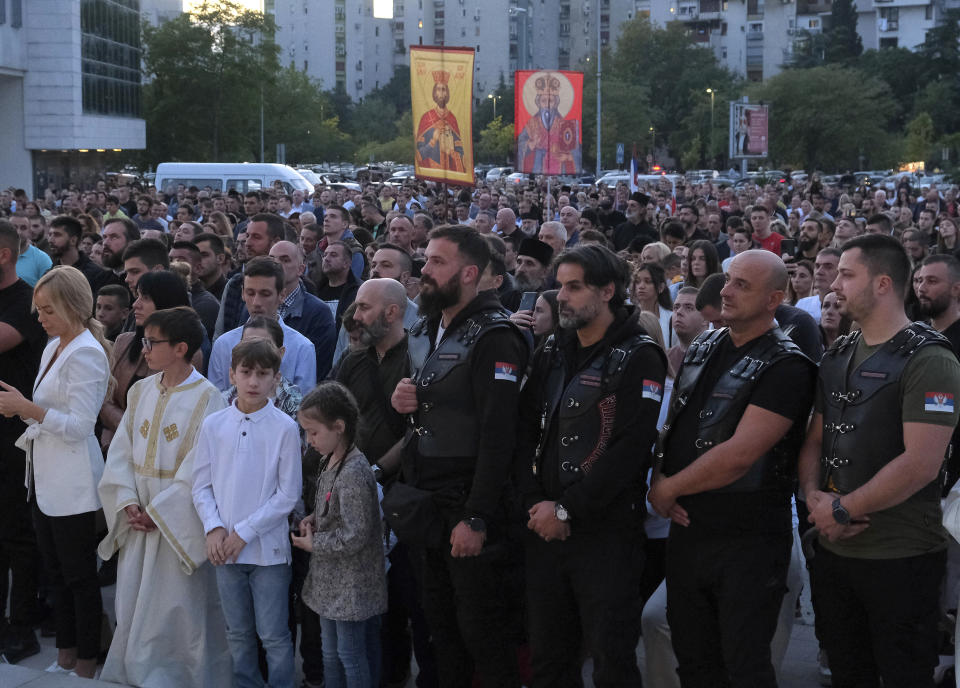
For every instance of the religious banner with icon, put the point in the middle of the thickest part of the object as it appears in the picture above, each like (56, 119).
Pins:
(441, 90)
(548, 120)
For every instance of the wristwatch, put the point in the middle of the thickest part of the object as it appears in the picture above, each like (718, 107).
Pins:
(477, 524)
(840, 515)
(560, 511)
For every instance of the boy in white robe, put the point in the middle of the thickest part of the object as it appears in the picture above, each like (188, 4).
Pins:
(170, 628)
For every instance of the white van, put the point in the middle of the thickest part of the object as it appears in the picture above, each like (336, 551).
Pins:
(223, 176)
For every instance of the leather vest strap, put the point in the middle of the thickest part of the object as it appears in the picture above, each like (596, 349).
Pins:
(862, 423)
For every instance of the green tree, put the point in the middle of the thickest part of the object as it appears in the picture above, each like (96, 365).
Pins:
(842, 38)
(941, 48)
(205, 71)
(808, 50)
(668, 74)
(810, 126)
(398, 149)
(920, 137)
(903, 70)
(496, 141)
(301, 116)
(941, 101)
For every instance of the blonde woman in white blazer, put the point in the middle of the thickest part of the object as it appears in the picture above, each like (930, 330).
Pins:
(64, 463)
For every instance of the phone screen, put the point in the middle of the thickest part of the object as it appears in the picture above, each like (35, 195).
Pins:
(528, 301)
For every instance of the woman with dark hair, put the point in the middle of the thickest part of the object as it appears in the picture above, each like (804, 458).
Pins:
(546, 316)
(649, 292)
(833, 325)
(801, 282)
(702, 261)
(156, 291)
(947, 235)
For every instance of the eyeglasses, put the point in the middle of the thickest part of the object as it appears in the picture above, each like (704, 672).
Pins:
(148, 343)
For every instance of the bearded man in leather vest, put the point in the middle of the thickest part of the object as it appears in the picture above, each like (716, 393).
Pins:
(468, 360)
(726, 467)
(588, 409)
(885, 410)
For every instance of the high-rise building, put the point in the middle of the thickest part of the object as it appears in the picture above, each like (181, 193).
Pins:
(69, 89)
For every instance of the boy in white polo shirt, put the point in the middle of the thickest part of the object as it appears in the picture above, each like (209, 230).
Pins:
(246, 481)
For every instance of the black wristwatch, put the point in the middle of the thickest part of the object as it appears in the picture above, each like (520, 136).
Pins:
(477, 524)
(560, 511)
(840, 515)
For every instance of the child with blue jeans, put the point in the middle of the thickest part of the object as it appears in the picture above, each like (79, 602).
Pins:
(246, 481)
(347, 584)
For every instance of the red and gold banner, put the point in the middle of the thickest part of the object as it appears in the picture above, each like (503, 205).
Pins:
(441, 90)
(548, 116)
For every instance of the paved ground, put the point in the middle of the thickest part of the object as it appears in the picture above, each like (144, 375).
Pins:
(799, 668)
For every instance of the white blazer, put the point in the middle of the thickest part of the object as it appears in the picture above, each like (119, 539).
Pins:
(66, 457)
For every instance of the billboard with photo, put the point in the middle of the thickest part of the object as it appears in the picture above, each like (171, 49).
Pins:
(749, 130)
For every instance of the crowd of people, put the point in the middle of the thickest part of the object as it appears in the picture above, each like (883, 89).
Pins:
(497, 430)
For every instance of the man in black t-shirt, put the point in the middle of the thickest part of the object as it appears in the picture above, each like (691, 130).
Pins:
(726, 469)
(21, 343)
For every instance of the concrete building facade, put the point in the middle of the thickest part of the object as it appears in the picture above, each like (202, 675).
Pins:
(69, 89)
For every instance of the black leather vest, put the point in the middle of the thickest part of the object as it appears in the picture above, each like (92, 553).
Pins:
(720, 415)
(586, 408)
(862, 423)
(445, 423)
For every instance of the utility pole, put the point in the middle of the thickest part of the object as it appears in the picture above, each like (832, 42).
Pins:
(599, 82)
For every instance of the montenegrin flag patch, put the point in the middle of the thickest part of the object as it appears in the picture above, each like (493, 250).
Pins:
(940, 402)
(505, 371)
(652, 390)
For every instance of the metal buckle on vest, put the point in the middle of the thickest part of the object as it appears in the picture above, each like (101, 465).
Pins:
(567, 440)
(848, 397)
(835, 462)
(426, 406)
(573, 403)
(470, 333)
(702, 443)
(420, 431)
(842, 428)
(568, 467)
(425, 382)
(705, 413)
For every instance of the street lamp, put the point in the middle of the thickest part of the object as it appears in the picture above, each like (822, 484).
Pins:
(653, 144)
(712, 93)
(494, 99)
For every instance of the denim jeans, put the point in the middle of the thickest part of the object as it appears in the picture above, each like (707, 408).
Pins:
(254, 601)
(351, 650)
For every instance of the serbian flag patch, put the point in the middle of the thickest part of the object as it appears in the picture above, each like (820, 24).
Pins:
(652, 390)
(939, 402)
(505, 371)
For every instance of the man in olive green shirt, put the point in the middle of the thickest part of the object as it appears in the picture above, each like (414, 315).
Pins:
(884, 413)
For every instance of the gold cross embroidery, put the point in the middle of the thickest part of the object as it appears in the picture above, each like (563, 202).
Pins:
(171, 432)
(145, 428)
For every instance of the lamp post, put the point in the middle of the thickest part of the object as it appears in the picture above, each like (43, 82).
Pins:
(712, 93)
(653, 144)
(494, 99)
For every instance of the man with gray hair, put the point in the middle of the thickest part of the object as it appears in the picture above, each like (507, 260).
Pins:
(554, 234)
(484, 221)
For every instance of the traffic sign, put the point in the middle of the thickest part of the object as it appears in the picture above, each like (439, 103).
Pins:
(620, 153)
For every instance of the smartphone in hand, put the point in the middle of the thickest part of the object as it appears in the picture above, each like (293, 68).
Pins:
(528, 301)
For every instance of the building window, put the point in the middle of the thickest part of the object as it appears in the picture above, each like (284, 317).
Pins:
(16, 13)
(110, 56)
(888, 43)
(3, 12)
(928, 12)
(305, 65)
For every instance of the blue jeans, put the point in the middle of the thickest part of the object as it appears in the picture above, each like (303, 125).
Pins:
(351, 653)
(254, 601)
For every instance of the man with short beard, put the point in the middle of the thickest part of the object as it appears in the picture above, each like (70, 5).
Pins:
(937, 286)
(463, 406)
(371, 373)
(592, 399)
(117, 234)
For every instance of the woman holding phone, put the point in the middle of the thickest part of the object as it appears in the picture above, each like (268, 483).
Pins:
(64, 463)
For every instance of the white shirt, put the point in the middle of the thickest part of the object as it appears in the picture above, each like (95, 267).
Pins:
(247, 477)
(811, 304)
(299, 364)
